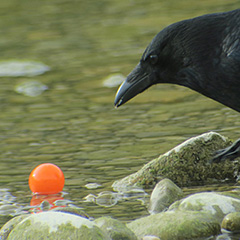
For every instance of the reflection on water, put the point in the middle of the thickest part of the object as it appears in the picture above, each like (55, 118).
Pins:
(74, 124)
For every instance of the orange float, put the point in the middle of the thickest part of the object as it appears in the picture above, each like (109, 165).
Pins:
(46, 178)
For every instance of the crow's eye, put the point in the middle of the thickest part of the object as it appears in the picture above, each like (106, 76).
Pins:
(153, 59)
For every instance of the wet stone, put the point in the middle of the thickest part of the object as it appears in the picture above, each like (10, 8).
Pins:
(163, 195)
(231, 222)
(218, 205)
(115, 229)
(56, 225)
(176, 225)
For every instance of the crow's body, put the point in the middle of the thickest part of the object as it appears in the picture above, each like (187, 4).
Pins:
(202, 53)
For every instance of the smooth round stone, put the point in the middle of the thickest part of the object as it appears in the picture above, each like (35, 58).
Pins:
(231, 222)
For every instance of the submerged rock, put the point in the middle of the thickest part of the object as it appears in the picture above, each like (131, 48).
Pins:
(186, 164)
(179, 225)
(9, 209)
(107, 199)
(18, 68)
(163, 195)
(113, 80)
(92, 185)
(115, 229)
(30, 88)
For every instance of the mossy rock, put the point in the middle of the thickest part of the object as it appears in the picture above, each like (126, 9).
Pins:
(115, 229)
(178, 225)
(186, 165)
(56, 225)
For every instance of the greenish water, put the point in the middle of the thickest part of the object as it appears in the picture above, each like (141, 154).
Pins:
(74, 124)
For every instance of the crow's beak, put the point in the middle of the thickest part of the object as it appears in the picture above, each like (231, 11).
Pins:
(136, 82)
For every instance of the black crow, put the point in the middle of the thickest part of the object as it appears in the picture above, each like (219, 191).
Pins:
(201, 53)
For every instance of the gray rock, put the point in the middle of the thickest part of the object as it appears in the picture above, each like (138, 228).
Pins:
(115, 229)
(186, 164)
(56, 225)
(179, 225)
(163, 195)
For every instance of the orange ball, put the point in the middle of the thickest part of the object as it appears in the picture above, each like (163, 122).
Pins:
(46, 178)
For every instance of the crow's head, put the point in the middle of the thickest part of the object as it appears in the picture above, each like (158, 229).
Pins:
(200, 53)
(159, 64)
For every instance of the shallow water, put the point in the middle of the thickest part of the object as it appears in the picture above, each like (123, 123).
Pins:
(74, 124)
